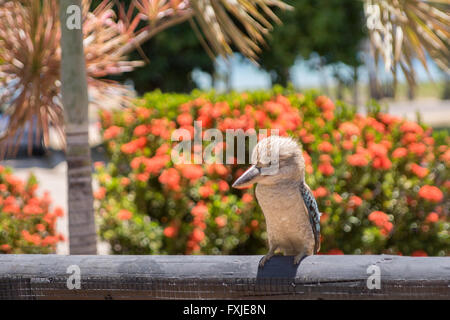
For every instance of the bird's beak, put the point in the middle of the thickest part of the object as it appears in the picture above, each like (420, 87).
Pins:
(248, 178)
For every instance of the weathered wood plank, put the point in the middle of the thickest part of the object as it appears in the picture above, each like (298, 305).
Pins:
(223, 277)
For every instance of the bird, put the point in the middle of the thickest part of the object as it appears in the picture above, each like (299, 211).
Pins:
(289, 207)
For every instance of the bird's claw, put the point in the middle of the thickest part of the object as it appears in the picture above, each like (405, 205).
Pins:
(264, 259)
(299, 258)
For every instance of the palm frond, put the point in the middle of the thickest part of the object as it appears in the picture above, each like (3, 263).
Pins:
(30, 70)
(402, 30)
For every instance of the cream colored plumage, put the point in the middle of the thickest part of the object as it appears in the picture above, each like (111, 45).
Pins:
(287, 203)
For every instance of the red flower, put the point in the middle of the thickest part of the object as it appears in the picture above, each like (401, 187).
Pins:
(198, 235)
(326, 169)
(192, 172)
(357, 160)
(325, 147)
(217, 168)
(320, 192)
(223, 186)
(140, 130)
(124, 215)
(349, 129)
(379, 218)
(200, 209)
(335, 252)
(184, 119)
(431, 193)
(410, 126)
(399, 153)
(171, 178)
(382, 163)
(419, 171)
(417, 148)
(419, 253)
(355, 201)
(247, 198)
(221, 221)
(347, 144)
(5, 247)
(205, 191)
(100, 193)
(112, 132)
(171, 231)
(432, 217)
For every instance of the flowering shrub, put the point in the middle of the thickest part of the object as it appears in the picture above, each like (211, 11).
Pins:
(27, 224)
(382, 183)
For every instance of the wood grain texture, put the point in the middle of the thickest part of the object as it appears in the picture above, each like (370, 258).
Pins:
(223, 277)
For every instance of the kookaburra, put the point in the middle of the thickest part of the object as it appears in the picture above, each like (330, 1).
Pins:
(291, 212)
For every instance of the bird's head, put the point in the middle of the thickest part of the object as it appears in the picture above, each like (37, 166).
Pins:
(274, 160)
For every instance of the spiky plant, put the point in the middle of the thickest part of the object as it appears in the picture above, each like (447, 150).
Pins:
(30, 54)
(402, 30)
(30, 58)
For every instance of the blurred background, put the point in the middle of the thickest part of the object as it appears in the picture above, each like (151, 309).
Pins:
(328, 47)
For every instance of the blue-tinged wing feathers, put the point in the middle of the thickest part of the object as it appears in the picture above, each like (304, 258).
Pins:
(313, 212)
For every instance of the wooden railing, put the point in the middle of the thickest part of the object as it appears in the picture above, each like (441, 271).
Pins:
(223, 277)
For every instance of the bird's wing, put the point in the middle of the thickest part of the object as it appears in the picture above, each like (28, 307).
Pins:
(313, 212)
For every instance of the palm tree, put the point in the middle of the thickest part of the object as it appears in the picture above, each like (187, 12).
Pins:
(74, 92)
(74, 88)
(403, 30)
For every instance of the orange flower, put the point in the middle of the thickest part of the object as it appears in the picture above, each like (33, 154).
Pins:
(417, 148)
(325, 147)
(335, 252)
(337, 198)
(221, 221)
(432, 217)
(410, 126)
(382, 163)
(419, 253)
(431, 193)
(357, 160)
(223, 186)
(170, 231)
(140, 130)
(355, 201)
(399, 153)
(198, 235)
(100, 193)
(184, 119)
(320, 192)
(125, 181)
(326, 169)
(200, 209)
(349, 129)
(5, 247)
(171, 178)
(112, 132)
(192, 172)
(419, 171)
(124, 215)
(246, 198)
(205, 191)
(379, 218)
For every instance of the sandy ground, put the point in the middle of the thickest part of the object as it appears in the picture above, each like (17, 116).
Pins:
(51, 169)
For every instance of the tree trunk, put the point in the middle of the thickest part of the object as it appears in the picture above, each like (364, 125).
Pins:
(82, 233)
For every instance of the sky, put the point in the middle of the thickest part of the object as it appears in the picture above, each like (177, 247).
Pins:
(246, 76)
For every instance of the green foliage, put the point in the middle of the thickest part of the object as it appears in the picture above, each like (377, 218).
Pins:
(27, 223)
(382, 183)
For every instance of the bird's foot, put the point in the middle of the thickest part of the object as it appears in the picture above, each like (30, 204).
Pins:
(299, 258)
(264, 259)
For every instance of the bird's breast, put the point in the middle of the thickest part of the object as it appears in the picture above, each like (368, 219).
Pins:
(285, 213)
